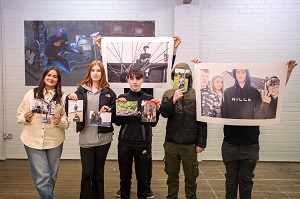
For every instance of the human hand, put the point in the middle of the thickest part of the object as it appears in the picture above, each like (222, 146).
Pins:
(105, 109)
(199, 149)
(291, 64)
(97, 41)
(178, 94)
(73, 96)
(196, 61)
(157, 102)
(266, 97)
(57, 119)
(28, 116)
(177, 41)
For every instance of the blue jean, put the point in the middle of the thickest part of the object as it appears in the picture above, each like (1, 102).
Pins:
(44, 167)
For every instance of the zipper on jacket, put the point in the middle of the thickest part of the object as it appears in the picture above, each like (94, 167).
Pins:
(144, 132)
(182, 120)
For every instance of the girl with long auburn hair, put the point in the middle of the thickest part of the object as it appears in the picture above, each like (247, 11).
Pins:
(94, 141)
(42, 113)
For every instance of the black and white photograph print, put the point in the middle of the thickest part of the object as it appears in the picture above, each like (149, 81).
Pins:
(240, 93)
(40, 106)
(151, 54)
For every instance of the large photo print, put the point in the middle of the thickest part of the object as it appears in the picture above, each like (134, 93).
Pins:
(69, 45)
(152, 54)
(240, 93)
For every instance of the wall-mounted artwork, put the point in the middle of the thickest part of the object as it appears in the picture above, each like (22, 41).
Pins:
(240, 93)
(69, 45)
(152, 54)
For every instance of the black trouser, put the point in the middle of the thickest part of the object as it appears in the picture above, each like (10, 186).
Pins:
(240, 162)
(149, 173)
(92, 162)
(140, 155)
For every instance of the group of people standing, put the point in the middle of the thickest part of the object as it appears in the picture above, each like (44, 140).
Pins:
(43, 136)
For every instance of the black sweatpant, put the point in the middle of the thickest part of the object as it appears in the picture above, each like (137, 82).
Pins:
(240, 162)
(140, 155)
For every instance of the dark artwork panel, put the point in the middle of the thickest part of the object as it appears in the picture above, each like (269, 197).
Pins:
(69, 45)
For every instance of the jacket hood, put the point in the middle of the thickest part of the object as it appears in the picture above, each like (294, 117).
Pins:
(183, 66)
(247, 83)
(61, 34)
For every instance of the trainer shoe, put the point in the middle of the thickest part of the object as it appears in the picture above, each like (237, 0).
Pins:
(150, 194)
(118, 194)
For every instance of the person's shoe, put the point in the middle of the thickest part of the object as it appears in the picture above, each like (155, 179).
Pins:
(150, 194)
(118, 194)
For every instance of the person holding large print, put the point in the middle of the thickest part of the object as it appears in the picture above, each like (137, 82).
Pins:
(185, 137)
(43, 134)
(240, 151)
(135, 138)
(94, 141)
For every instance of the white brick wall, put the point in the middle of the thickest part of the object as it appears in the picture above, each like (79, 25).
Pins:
(214, 30)
(247, 31)
(2, 151)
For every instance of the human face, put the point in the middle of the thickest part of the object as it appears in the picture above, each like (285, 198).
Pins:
(240, 75)
(218, 83)
(58, 43)
(204, 78)
(96, 74)
(51, 80)
(135, 84)
(274, 90)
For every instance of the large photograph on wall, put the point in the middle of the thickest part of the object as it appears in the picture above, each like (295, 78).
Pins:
(240, 93)
(152, 54)
(69, 45)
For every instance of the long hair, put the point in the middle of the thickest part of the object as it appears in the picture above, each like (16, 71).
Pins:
(88, 80)
(38, 91)
(213, 84)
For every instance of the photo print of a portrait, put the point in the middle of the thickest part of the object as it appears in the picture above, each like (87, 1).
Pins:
(240, 93)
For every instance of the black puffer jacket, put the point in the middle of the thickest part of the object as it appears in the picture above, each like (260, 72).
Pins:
(107, 97)
(133, 131)
(182, 125)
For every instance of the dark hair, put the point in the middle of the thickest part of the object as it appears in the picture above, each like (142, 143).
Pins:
(272, 81)
(137, 72)
(88, 80)
(38, 91)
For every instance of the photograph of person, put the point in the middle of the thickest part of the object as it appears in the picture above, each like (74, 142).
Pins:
(239, 94)
(268, 107)
(210, 103)
(153, 55)
(217, 86)
(241, 101)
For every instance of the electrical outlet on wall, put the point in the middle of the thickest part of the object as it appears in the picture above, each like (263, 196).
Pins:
(7, 135)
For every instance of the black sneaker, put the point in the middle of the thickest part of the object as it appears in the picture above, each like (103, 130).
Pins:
(118, 194)
(150, 194)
